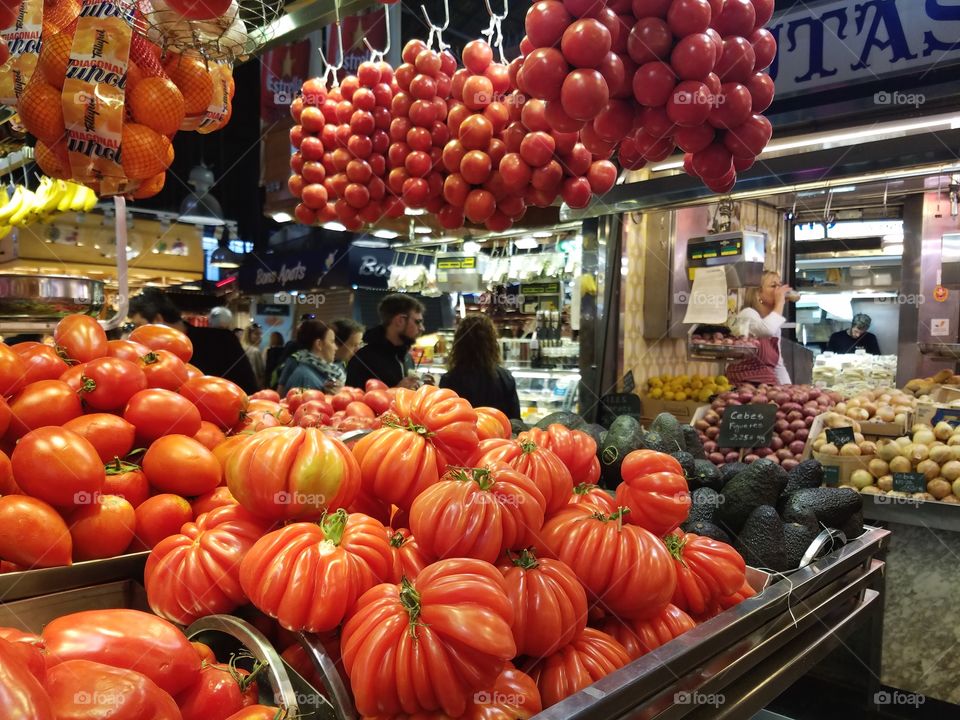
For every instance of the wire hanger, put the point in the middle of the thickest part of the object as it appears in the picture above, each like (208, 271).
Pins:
(494, 32)
(378, 55)
(330, 74)
(436, 33)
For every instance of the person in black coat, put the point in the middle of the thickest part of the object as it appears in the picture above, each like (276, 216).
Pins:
(386, 353)
(216, 351)
(856, 338)
(474, 371)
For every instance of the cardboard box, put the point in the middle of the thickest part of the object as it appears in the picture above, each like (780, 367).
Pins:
(838, 469)
(874, 430)
(682, 410)
(939, 408)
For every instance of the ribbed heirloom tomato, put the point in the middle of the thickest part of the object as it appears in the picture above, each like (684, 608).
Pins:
(286, 473)
(85, 689)
(408, 561)
(397, 463)
(595, 496)
(492, 423)
(707, 570)
(591, 656)
(345, 555)
(197, 572)
(536, 462)
(549, 604)
(655, 489)
(478, 513)
(641, 636)
(576, 450)
(449, 420)
(447, 634)
(623, 567)
(149, 645)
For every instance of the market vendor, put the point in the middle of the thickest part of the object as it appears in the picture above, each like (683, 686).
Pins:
(386, 354)
(856, 338)
(762, 317)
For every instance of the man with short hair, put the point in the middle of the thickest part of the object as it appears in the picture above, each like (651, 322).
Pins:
(856, 338)
(386, 354)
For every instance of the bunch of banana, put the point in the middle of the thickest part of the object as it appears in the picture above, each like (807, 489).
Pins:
(53, 196)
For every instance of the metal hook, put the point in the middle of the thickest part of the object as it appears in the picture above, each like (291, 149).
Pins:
(437, 31)
(380, 54)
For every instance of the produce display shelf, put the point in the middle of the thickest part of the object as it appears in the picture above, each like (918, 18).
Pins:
(930, 514)
(31, 583)
(719, 352)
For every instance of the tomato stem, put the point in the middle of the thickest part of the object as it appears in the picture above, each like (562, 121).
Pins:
(527, 446)
(334, 525)
(584, 488)
(410, 599)
(87, 384)
(150, 358)
(118, 466)
(481, 476)
(397, 539)
(675, 545)
(526, 559)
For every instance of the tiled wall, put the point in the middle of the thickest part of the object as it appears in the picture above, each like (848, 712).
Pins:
(668, 356)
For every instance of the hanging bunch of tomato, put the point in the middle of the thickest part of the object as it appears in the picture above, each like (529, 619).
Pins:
(111, 130)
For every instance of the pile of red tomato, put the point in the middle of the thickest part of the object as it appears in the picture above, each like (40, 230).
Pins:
(436, 534)
(635, 78)
(121, 664)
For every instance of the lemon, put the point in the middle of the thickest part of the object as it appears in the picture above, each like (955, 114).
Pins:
(656, 393)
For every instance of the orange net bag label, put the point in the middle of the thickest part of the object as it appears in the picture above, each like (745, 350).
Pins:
(93, 94)
(217, 113)
(23, 41)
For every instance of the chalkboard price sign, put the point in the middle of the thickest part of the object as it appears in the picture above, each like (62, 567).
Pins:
(615, 404)
(909, 482)
(831, 475)
(948, 415)
(747, 426)
(840, 436)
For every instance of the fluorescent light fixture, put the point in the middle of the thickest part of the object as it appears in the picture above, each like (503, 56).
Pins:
(368, 243)
(282, 217)
(385, 234)
(471, 247)
(526, 243)
(844, 189)
(191, 286)
(893, 249)
(415, 211)
(335, 226)
(846, 137)
(422, 230)
(543, 234)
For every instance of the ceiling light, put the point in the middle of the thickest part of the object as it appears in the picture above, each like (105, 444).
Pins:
(844, 189)
(385, 234)
(335, 226)
(527, 243)
(223, 256)
(369, 243)
(414, 211)
(470, 247)
(422, 230)
(282, 217)
(190, 286)
(543, 234)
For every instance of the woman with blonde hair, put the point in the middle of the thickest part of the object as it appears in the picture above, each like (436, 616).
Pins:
(474, 371)
(762, 317)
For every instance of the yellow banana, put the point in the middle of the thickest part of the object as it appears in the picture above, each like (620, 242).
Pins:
(91, 201)
(20, 217)
(67, 200)
(12, 206)
(40, 198)
(54, 194)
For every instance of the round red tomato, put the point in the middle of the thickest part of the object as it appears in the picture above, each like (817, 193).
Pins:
(197, 572)
(102, 528)
(639, 637)
(73, 376)
(155, 412)
(221, 691)
(219, 401)
(7, 484)
(150, 645)
(127, 481)
(111, 435)
(181, 465)
(32, 534)
(58, 466)
(377, 400)
(12, 371)
(478, 513)
(591, 656)
(81, 338)
(161, 337)
(209, 435)
(108, 383)
(40, 362)
(159, 517)
(285, 473)
(218, 497)
(432, 608)
(633, 577)
(164, 370)
(359, 410)
(397, 464)
(655, 491)
(374, 384)
(126, 350)
(550, 606)
(47, 402)
(539, 464)
(345, 554)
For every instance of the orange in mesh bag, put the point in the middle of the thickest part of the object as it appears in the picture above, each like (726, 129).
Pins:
(54, 55)
(190, 74)
(53, 159)
(59, 14)
(41, 111)
(144, 152)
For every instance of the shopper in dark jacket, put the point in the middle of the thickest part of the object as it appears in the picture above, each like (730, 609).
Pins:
(386, 354)
(216, 351)
(474, 371)
(856, 338)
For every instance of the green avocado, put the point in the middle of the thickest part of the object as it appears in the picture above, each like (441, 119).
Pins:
(760, 483)
(761, 541)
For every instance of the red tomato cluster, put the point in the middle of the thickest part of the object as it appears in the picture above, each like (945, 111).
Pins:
(121, 664)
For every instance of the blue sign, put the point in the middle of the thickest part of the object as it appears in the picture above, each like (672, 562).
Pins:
(836, 43)
(276, 272)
